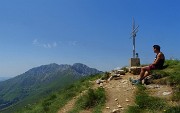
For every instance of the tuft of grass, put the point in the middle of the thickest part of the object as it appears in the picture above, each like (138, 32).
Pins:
(94, 99)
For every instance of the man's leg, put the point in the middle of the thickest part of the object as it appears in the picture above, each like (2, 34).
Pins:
(144, 72)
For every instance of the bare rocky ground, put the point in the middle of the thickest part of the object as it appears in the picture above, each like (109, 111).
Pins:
(120, 94)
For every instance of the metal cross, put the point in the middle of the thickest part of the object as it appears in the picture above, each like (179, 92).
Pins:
(133, 35)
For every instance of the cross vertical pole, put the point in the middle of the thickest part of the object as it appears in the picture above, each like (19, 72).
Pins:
(133, 35)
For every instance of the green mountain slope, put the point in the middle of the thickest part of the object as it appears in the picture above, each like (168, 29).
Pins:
(39, 82)
(56, 100)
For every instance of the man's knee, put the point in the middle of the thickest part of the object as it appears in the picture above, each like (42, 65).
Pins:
(143, 69)
(146, 73)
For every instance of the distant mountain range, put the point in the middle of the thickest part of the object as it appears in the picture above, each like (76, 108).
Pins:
(39, 81)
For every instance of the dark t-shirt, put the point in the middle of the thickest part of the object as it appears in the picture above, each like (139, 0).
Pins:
(160, 63)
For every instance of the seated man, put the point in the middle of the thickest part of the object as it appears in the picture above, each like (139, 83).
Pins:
(157, 64)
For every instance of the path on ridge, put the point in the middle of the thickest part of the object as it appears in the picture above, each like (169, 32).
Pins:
(119, 93)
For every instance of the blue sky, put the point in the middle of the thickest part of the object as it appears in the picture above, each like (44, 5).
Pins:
(93, 32)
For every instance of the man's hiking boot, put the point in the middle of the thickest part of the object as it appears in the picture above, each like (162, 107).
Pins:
(137, 82)
(134, 81)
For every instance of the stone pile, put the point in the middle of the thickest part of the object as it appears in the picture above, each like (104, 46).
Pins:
(114, 74)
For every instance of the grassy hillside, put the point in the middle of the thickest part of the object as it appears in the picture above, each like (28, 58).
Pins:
(145, 102)
(57, 100)
(41, 93)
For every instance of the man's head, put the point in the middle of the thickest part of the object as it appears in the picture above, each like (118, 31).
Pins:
(156, 48)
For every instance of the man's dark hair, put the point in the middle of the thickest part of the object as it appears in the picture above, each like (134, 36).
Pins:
(157, 47)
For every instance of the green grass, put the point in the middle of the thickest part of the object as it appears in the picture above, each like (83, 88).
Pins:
(175, 109)
(147, 103)
(176, 95)
(172, 77)
(92, 99)
(172, 63)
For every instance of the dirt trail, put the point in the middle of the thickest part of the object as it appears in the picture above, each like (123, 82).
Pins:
(120, 94)
(68, 106)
